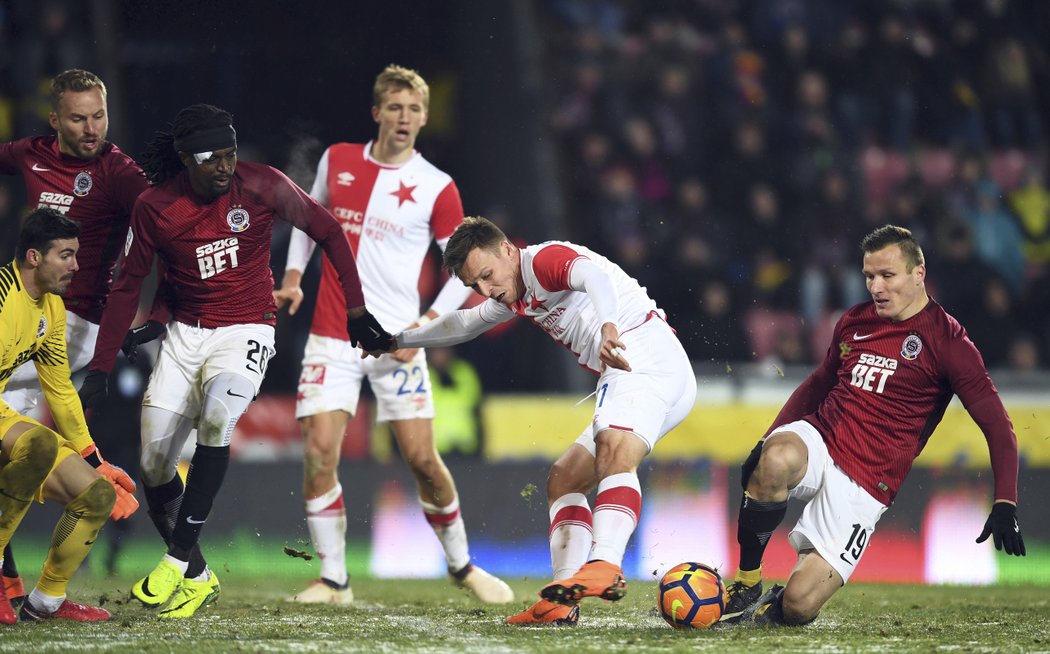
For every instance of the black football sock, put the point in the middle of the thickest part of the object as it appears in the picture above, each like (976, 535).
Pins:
(10, 569)
(207, 471)
(164, 502)
(758, 520)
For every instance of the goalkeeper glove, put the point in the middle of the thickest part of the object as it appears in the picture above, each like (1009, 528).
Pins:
(126, 503)
(141, 334)
(1004, 530)
(94, 389)
(367, 334)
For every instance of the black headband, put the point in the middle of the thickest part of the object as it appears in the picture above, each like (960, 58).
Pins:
(207, 140)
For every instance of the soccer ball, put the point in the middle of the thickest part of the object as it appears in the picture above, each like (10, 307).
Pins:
(691, 595)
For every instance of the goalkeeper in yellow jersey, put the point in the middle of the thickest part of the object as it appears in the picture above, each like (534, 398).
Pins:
(36, 462)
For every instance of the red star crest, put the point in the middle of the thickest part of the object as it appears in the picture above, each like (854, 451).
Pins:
(404, 194)
(534, 304)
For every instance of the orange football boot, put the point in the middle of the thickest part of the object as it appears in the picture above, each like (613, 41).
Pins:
(593, 579)
(545, 612)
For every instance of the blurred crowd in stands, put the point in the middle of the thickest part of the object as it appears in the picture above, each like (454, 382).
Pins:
(732, 154)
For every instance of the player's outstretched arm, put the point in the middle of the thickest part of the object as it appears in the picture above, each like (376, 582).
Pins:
(455, 327)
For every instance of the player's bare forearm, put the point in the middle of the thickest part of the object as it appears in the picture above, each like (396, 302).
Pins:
(290, 293)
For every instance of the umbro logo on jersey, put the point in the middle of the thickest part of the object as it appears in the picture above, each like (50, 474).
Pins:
(39, 169)
(344, 179)
(860, 337)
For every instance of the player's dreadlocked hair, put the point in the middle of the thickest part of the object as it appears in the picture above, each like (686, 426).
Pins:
(161, 162)
(899, 236)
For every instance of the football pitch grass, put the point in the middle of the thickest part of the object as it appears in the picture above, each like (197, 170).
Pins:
(432, 616)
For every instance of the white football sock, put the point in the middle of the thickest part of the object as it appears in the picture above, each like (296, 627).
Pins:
(570, 534)
(450, 530)
(616, 511)
(326, 519)
(43, 602)
(178, 563)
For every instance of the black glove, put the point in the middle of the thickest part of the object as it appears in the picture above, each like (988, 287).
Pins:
(367, 334)
(141, 334)
(94, 389)
(749, 464)
(1003, 527)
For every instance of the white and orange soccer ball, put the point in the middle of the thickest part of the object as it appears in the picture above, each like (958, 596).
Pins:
(691, 596)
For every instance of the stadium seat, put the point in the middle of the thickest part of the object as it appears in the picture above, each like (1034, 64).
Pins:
(883, 171)
(1007, 168)
(936, 167)
(820, 334)
(764, 325)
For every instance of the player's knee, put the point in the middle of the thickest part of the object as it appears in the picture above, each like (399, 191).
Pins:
(37, 447)
(776, 466)
(156, 467)
(95, 500)
(798, 607)
(564, 479)
(321, 455)
(425, 462)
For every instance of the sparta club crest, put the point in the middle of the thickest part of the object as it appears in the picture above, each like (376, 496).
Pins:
(82, 184)
(911, 347)
(238, 220)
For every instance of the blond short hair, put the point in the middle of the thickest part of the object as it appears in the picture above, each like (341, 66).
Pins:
(398, 77)
(74, 79)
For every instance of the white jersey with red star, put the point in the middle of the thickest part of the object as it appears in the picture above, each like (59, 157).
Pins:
(390, 215)
(569, 316)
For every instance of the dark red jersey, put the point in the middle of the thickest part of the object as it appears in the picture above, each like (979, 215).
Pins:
(217, 253)
(98, 193)
(884, 386)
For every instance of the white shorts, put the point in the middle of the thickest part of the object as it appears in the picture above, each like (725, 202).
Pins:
(22, 392)
(654, 397)
(190, 357)
(333, 372)
(840, 516)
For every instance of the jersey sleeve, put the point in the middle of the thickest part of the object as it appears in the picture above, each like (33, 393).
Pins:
(448, 212)
(586, 276)
(454, 328)
(11, 155)
(300, 246)
(969, 379)
(123, 301)
(52, 367)
(319, 191)
(552, 265)
(302, 211)
(129, 183)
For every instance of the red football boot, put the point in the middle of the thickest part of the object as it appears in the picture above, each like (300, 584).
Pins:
(67, 611)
